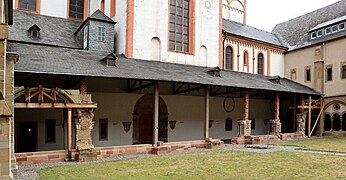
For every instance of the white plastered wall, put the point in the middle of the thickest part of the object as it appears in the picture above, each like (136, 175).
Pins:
(35, 115)
(188, 111)
(120, 27)
(151, 20)
(277, 64)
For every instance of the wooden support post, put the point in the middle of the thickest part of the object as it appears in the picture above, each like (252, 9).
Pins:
(156, 114)
(309, 120)
(69, 133)
(294, 113)
(321, 131)
(206, 125)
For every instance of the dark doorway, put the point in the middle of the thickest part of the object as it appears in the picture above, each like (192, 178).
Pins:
(27, 137)
(143, 120)
(145, 125)
(336, 122)
(327, 123)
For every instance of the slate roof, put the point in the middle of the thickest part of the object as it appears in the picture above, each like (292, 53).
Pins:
(328, 23)
(99, 15)
(295, 31)
(240, 29)
(54, 31)
(66, 61)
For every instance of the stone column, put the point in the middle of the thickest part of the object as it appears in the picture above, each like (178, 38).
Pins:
(156, 114)
(84, 126)
(207, 115)
(245, 124)
(275, 123)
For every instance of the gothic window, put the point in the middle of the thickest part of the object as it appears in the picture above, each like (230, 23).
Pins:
(103, 129)
(260, 59)
(329, 73)
(179, 25)
(336, 122)
(76, 9)
(327, 122)
(101, 34)
(343, 71)
(229, 58)
(228, 124)
(50, 130)
(307, 74)
(30, 5)
(246, 58)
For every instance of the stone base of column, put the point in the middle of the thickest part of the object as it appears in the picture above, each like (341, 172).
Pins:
(213, 143)
(275, 127)
(86, 155)
(244, 128)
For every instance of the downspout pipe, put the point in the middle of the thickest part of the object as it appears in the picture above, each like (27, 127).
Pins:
(223, 50)
(324, 69)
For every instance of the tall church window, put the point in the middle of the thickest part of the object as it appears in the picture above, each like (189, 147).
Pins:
(76, 9)
(179, 25)
(30, 5)
(229, 58)
(260, 64)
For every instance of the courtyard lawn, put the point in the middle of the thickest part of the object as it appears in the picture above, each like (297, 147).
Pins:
(321, 144)
(210, 165)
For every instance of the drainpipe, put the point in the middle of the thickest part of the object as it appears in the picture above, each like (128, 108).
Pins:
(324, 70)
(223, 52)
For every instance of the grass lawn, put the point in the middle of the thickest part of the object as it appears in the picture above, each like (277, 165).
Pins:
(210, 165)
(321, 144)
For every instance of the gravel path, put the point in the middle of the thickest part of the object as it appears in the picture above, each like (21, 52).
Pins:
(29, 172)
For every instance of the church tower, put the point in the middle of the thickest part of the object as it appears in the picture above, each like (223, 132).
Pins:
(234, 10)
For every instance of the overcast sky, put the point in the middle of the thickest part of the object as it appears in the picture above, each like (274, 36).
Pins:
(265, 14)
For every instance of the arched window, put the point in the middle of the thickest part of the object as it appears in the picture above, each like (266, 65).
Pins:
(260, 59)
(229, 58)
(246, 58)
(327, 123)
(336, 122)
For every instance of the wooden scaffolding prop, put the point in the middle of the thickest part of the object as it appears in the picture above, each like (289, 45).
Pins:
(308, 105)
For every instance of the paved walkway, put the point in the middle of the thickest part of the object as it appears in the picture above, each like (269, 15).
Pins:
(29, 172)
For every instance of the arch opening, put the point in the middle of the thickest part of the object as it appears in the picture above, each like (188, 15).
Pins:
(143, 121)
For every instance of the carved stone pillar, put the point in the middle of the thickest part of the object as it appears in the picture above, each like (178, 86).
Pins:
(84, 126)
(275, 124)
(245, 124)
(244, 128)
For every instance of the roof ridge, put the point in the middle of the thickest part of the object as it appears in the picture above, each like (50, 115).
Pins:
(311, 12)
(248, 26)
